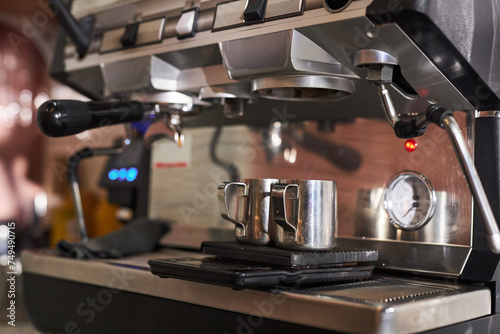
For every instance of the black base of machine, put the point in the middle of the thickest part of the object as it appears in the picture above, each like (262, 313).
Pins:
(286, 258)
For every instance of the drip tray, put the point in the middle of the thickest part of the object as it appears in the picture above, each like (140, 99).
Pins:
(286, 258)
(397, 305)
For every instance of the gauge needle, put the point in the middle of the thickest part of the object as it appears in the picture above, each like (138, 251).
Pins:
(415, 196)
(414, 206)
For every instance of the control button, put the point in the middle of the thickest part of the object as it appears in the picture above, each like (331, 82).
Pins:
(186, 26)
(130, 35)
(255, 11)
(148, 32)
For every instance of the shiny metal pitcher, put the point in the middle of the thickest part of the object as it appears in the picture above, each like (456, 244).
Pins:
(306, 214)
(256, 226)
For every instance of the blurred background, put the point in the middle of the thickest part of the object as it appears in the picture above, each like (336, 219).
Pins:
(33, 187)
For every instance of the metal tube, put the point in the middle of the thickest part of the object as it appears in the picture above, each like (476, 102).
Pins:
(205, 20)
(475, 185)
(77, 204)
(422, 122)
(390, 111)
(313, 4)
(75, 187)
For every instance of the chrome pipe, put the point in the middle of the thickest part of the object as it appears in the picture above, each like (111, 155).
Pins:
(77, 204)
(475, 185)
(390, 111)
(422, 122)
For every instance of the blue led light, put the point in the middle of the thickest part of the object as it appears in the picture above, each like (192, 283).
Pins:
(132, 174)
(122, 174)
(113, 174)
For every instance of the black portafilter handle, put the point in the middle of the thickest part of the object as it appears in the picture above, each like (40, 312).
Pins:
(59, 118)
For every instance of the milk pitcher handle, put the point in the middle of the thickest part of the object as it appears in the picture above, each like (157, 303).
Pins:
(280, 193)
(242, 191)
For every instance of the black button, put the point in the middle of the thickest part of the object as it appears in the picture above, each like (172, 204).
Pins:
(130, 35)
(255, 11)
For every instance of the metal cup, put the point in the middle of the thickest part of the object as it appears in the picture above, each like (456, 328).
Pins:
(306, 214)
(255, 226)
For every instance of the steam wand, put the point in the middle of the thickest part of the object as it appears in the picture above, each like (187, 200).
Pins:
(74, 162)
(445, 119)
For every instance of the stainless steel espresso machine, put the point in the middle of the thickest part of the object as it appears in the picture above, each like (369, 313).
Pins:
(342, 90)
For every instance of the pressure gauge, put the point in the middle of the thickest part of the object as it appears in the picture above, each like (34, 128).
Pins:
(410, 200)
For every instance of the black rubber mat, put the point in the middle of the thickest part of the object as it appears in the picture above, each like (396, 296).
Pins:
(287, 258)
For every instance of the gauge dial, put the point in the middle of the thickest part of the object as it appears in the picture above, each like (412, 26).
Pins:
(410, 200)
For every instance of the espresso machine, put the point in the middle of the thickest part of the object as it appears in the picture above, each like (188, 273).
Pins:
(395, 100)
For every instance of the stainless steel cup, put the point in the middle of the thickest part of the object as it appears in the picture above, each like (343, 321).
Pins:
(305, 212)
(255, 225)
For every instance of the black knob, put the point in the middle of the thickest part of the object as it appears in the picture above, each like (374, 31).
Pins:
(255, 11)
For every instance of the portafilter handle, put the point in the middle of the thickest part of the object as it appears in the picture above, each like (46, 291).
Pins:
(59, 118)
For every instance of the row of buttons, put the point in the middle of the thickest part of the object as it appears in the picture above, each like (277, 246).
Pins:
(239, 13)
(148, 32)
(227, 15)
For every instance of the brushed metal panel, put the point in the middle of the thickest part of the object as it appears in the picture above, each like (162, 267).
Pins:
(146, 74)
(412, 257)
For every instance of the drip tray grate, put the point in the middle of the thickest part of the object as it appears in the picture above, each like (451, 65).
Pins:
(383, 291)
(395, 305)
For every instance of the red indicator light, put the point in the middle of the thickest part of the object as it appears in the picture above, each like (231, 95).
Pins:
(411, 145)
